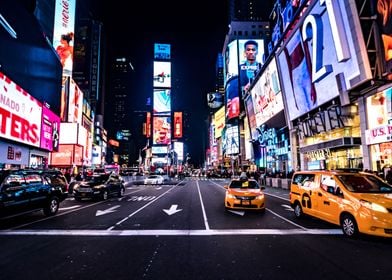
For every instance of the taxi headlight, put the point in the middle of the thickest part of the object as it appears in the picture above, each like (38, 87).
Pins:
(373, 206)
(260, 197)
(230, 196)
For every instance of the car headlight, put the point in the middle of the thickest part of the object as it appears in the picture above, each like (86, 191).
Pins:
(260, 197)
(373, 206)
(230, 196)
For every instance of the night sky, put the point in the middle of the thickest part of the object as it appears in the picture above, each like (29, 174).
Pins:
(196, 31)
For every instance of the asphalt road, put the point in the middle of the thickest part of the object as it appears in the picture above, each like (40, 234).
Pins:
(182, 231)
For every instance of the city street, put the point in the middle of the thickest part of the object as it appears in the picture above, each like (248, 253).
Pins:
(182, 231)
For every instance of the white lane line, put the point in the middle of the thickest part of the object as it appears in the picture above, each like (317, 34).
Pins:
(140, 209)
(202, 208)
(276, 196)
(287, 220)
(172, 232)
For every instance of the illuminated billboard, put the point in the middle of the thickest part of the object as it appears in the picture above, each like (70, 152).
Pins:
(20, 114)
(162, 51)
(243, 58)
(25, 55)
(63, 34)
(266, 94)
(384, 18)
(232, 98)
(250, 113)
(322, 57)
(162, 101)
(161, 130)
(231, 140)
(50, 130)
(162, 74)
(177, 124)
(75, 103)
(219, 122)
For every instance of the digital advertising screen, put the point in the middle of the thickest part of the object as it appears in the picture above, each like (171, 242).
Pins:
(250, 113)
(232, 140)
(219, 122)
(50, 130)
(177, 124)
(243, 55)
(162, 74)
(20, 114)
(232, 98)
(63, 34)
(25, 55)
(75, 103)
(161, 130)
(266, 94)
(162, 101)
(384, 20)
(311, 70)
(162, 51)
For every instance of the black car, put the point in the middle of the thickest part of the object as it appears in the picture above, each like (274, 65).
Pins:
(99, 186)
(25, 190)
(54, 177)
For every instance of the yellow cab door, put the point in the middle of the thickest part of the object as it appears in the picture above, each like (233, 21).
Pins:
(328, 201)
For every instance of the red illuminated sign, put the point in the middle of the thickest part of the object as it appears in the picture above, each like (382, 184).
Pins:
(177, 124)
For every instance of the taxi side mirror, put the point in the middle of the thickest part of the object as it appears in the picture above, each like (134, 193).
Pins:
(262, 188)
(226, 186)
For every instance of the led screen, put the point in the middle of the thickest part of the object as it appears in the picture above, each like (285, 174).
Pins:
(162, 74)
(321, 54)
(232, 98)
(231, 141)
(179, 149)
(250, 113)
(75, 103)
(25, 55)
(161, 130)
(266, 94)
(243, 58)
(162, 51)
(20, 114)
(63, 34)
(219, 122)
(177, 124)
(162, 101)
(50, 130)
(384, 18)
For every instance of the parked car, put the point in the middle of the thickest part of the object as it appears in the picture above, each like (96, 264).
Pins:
(154, 179)
(244, 194)
(29, 190)
(99, 186)
(358, 202)
(54, 177)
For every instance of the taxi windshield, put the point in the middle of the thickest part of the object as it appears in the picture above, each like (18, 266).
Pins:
(364, 183)
(237, 184)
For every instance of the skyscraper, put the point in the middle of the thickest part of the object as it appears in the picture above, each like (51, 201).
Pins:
(249, 10)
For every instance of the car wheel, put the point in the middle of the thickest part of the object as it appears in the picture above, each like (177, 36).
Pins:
(298, 210)
(52, 206)
(121, 192)
(349, 225)
(105, 195)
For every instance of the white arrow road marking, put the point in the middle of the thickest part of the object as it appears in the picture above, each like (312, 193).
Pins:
(241, 213)
(107, 211)
(70, 207)
(287, 207)
(172, 210)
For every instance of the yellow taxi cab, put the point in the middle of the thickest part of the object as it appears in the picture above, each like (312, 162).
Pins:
(358, 202)
(244, 194)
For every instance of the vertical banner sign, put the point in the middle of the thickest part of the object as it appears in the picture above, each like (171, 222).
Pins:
(63, 34)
